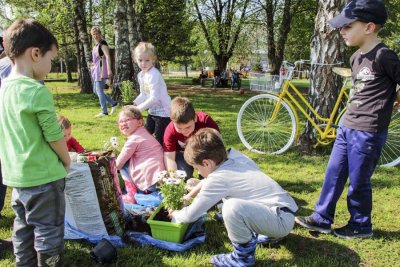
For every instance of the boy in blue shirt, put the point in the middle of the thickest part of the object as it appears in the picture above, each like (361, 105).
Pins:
(375, 72)
(34, 155)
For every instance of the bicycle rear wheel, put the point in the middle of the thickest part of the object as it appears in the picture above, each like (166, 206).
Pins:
(262, 132)
(390, 155)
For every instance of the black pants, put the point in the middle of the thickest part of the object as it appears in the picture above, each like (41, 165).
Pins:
(3, 190)
(156, 126)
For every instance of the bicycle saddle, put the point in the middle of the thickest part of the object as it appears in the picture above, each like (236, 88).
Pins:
(345, 72)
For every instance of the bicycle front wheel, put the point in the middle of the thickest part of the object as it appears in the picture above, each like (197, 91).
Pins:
(390, 155)
(266, 125)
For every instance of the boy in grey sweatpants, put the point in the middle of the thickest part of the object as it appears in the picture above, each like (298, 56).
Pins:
(253, 202)
(34, 155)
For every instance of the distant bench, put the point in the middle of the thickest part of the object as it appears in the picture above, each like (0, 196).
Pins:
(209, 82)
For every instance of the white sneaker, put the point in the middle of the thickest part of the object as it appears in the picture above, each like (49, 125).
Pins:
(114, 108)
(100, 115)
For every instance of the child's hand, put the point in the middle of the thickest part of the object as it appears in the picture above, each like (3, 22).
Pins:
(397, 106)
(171, 213)
(186, 199)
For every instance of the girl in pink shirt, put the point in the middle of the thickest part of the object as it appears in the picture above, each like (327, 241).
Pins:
(140, 158)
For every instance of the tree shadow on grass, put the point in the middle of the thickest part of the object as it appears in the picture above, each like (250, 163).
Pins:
(387, 235)
(313, 252)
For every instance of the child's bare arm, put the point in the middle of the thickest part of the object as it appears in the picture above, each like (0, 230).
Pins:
(60, 147)
(195, 191)
(169, 160)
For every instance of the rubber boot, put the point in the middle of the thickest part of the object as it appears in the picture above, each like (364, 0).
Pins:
(131, 190)
(242, 255)
(49, 260)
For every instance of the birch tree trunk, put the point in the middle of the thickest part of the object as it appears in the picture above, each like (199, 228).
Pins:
(327, 49)
(123, 63)
(84, 79)
(135, 15)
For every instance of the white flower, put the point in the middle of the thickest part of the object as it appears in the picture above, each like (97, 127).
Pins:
(113, 139)
(172, 181)
(115, 144)
(180, 173)
(163, 173)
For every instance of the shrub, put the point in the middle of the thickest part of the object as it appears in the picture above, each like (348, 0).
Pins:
(127, 91)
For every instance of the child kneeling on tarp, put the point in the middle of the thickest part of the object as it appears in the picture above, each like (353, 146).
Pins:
(141, 157)
(253, 202)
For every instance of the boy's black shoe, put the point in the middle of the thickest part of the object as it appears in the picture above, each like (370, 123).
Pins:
(308, 222)
(348, 232)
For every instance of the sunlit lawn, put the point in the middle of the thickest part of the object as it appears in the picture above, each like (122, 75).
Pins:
(301, 175)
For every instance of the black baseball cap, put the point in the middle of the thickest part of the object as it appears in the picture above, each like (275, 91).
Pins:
(361, 10)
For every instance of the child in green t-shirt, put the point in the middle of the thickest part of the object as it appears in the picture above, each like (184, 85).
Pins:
(33, 153)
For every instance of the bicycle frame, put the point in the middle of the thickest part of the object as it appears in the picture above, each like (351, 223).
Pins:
(289, 92)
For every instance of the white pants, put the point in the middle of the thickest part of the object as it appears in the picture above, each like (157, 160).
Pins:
(242, 218)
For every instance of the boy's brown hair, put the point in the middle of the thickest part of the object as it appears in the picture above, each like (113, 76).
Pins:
(64, 122)
(182, 110)
(26, 33)
(206, 143)
(131, 111)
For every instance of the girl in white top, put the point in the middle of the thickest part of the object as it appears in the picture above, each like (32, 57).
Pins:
(153, 91)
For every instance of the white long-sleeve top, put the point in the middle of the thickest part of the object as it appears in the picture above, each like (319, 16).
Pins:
(236, 178)
(153, 93)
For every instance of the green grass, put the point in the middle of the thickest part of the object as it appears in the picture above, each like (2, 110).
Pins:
(301, 176)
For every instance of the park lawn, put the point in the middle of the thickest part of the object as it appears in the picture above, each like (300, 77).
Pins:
(301, 176)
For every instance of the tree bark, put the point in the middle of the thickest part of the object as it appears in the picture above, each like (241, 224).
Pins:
(80, 19)
(123, 63)
(276, 42)
(135, 17)
(84, 78)
(327, 49)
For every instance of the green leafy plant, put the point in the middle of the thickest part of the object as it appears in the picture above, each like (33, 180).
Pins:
(127, 91)
(172, 188)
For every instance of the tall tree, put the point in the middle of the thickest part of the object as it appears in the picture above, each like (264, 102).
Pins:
(327, 49)
(85, 53)
(302, 27)
(124, 68)
(136, 18)
(221, 22)
(279, 15)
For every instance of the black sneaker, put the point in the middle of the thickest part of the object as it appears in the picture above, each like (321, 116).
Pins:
(218, 217)
(308, 222)
(348, 232)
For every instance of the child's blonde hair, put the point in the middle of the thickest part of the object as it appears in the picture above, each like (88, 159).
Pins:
(147, 48)
(131, 111)
(205, 144)
(64, 122)
(182, 110)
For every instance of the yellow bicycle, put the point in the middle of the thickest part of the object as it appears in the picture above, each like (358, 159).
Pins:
(268, 123)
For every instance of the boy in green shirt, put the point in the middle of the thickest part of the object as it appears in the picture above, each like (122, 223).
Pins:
(33, 151)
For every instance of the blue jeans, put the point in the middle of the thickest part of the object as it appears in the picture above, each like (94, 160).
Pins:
(183, 165)
(124, 171)
(103, 97)
(354, 155)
